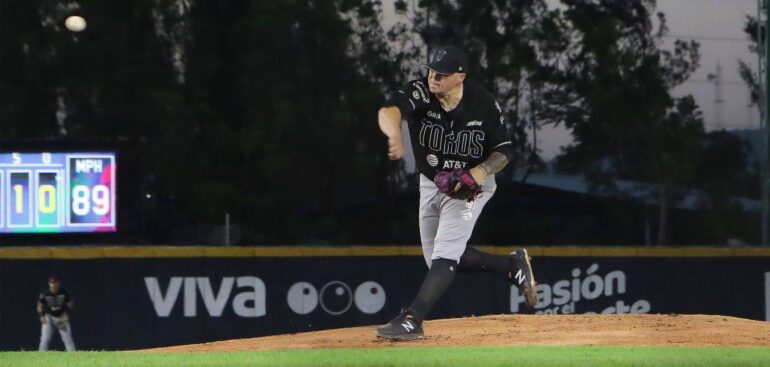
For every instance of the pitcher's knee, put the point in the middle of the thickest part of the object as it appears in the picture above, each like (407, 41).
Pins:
(451, 252)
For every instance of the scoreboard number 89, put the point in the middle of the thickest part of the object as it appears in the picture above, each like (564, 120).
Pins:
(82, 198)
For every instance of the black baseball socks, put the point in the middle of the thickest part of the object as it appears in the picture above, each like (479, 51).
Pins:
(475, 260)
(439, 277)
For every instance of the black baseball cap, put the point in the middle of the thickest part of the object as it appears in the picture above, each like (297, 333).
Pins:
(53, 279)
(448, 60)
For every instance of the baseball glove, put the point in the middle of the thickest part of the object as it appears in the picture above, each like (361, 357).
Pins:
(457, 184)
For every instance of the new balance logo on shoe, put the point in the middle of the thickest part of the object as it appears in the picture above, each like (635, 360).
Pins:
(408, 326)
(403, 327)
(520, 277)
(523, 279)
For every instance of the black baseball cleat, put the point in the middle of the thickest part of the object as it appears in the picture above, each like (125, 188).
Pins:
(521, 276)
(403, 327)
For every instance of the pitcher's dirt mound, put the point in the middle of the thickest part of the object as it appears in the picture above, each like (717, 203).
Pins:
(505, 330)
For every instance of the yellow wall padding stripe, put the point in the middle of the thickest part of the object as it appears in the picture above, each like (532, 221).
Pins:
(101, 252)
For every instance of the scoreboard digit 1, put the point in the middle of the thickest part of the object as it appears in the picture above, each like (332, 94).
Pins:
(19, 199)
(57, 192)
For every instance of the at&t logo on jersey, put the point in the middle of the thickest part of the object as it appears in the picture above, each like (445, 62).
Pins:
(452, 164)
(464, 143)
(432, 160)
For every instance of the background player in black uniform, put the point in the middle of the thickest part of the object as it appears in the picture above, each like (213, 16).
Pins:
(54, 306)
(454, 125)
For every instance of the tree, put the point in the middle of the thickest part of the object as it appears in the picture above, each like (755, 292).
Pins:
(627, 125)
(744, 69)
(724, 174)
(61, 85)
(257, 109)
(283, 122)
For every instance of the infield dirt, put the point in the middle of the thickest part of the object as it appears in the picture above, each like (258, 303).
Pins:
(516, 330)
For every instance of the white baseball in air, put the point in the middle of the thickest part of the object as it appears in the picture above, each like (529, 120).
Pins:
(75, 23)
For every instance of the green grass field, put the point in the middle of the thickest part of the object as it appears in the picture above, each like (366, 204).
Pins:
(456, 357)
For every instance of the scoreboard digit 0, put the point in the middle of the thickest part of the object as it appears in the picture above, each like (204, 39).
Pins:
(57, 192)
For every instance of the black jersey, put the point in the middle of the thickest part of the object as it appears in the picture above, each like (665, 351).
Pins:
(55, 304)
(461, 138)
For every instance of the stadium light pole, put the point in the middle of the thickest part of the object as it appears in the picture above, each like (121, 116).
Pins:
(764, 81)
(763, 116)
(762, 107)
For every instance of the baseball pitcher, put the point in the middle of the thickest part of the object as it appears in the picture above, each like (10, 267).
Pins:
(459, 141)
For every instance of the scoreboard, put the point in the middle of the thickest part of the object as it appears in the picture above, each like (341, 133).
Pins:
(57, 192)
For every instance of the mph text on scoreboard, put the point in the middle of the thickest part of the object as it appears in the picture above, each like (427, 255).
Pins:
(53, 192)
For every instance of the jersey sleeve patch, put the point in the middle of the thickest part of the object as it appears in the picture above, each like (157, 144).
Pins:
(412, 97)
(420, 92)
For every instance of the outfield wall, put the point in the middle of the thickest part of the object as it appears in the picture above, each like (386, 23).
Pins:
(139, 297)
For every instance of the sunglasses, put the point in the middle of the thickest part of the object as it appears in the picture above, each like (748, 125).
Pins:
(437, 76)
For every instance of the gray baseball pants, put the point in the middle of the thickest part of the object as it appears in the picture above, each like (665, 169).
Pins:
(47, 329)
(446, 224)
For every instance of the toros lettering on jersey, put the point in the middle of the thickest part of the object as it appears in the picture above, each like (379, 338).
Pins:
(464, 143)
